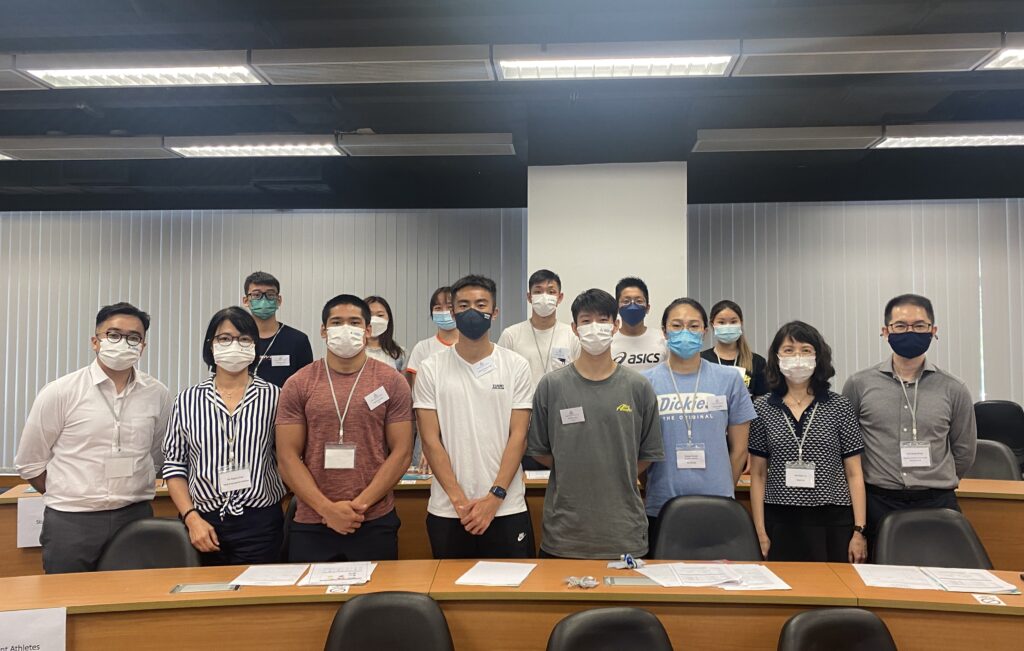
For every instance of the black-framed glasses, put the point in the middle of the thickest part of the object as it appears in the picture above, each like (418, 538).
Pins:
(258, 296)
(642, 302)
(114, 337)
(245, 341)
(921, 327)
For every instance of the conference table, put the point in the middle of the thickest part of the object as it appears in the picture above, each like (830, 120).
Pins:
(994, 508)
(136, 608)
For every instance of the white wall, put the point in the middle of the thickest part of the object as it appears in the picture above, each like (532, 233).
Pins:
(594, 224)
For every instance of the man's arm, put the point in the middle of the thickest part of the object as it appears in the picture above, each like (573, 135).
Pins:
(481, 511)
(42, 429)
(437, 457)
(963, 431)
(399, 437)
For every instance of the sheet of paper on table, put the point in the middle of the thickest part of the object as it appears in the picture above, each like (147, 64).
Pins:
(907, 577)
(756, 577)
(270, 575)
(967, 580)
(690, 575)
(538, 474)
(356, 573)
(491, 573)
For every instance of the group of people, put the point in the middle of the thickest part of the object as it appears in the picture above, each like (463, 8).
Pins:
(607, 402)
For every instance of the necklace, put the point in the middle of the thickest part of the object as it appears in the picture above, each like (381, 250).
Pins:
(798, 403)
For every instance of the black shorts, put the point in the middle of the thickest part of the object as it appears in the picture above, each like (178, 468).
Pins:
(510, 536)
(375, 540)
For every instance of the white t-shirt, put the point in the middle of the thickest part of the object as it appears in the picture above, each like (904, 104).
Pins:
(534, 345)
(474, 406)
(640, 353)
(423, 350)
(379, 355)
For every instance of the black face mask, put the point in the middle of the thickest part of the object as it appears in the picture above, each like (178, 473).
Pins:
(910, 344)
(473, 324)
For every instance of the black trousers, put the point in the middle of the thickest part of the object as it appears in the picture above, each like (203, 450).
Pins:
(252, 538)
(883, 501)
(510, 536)
(809, 533)
(375, 540)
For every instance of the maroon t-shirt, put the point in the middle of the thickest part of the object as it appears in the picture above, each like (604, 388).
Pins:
(306, 400)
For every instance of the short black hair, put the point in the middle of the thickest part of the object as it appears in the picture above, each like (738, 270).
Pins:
(543, 276)
(596, 301)
(909, 299)
(803, 333)
(476, 280)
(261, 278)
(631, 281)
(241, 319)
(345, 299)
(440, 291)
(126, 309)
(692, 302)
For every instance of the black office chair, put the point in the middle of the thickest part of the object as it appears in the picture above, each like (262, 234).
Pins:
(396, 621)
(609, 629)
(149, 544)
(289, 518)
(929, 537)
(994, 460)
(1003, 421)
(835, 629)
(705, 528)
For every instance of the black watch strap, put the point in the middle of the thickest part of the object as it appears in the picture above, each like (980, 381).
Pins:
(184, 516)
(498, 492)
(861, 529)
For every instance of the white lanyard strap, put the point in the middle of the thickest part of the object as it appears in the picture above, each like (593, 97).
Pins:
(687, 418)
(116, 414)
(803, 434)
(913, 407)
(341, 416)
(231, 419)
(545, 361)
(266, 353)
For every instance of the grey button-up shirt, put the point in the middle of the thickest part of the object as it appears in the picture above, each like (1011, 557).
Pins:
(945, 420)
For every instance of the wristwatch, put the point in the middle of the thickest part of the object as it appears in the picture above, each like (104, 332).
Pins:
(861, 529)
(498, 492)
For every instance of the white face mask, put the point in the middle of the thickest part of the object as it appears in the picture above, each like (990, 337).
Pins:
(345, 341)
(378, 325)
(544, 304)
(799, 368)
(119, 356)
(233, 357)
(596, 337)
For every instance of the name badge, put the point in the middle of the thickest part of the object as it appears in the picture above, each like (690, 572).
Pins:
(280, 360)
(377, 398)
(800, 474)
(483, 367)
(233, 478)
(915, 454)
(718, 403)
(690, 457)
(572, 415)
(741, 370)
(119, 465)
(339, 456)
(560, 356)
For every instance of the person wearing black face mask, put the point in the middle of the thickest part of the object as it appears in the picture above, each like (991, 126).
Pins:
(918, 420)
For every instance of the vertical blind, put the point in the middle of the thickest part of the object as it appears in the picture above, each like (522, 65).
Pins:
(182, 266)
(835, 265)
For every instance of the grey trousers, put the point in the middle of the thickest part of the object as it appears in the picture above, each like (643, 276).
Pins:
(73, 541)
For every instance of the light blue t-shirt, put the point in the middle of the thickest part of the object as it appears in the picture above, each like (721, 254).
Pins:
(719, 386)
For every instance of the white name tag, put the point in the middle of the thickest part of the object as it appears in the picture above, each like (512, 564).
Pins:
(280, 360)
(718, 403)
(339, 456)
(915, 454)
(688, 458)
(118, 467)
(741, 370)
(483, 367)
(233, 479)
(377, 398)
(800, 475)
(572, 415)
(560, 356)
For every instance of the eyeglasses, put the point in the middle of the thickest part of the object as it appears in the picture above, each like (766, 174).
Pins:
(921, 327)
(633, 301)
(245, 341)
(258, 296)
(695, 328)
(113, 337)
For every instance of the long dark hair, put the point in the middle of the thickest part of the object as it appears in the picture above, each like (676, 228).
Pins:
(803, 333)
(387, 338)
(243, 322)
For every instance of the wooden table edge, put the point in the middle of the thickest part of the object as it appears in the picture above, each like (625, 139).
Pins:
(739, 598)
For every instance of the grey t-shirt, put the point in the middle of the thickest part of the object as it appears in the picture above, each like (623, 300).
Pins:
(593, 507)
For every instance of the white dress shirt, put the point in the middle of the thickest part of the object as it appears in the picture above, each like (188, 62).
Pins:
(71, 432)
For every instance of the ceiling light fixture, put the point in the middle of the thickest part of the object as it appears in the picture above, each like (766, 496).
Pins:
(270, 145)
(962, 134)
(615, 60)
(127, 69)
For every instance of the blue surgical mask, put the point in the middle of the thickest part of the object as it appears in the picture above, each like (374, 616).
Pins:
(727, 334)
(684, 343)
(632, 314)
(443, 320)
(473, 324)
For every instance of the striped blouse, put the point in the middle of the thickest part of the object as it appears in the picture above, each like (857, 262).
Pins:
(198, 443)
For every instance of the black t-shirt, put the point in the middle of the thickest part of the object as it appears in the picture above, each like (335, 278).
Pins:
(756, 384)
(289, 352)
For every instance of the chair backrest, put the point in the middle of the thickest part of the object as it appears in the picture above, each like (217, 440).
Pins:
(705, 528)
(149, 544)
(609, 629)
(929, 537)
(289, 518)
(396, 621)
(994, 460)
(835, 629)
(1003, 421)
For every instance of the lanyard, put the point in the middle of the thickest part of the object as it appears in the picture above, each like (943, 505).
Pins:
(803, 434)
(116, 414)
(226, 419)
(913, 407)
(266, 353)
(341, 416)
(682, 404)
(545, 361)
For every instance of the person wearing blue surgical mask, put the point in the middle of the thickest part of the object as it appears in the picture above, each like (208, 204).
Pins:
(732, 349)
(635, 345)
(447, 333)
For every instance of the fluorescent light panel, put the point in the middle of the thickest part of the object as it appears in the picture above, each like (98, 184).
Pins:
(427, 144)
(84, 148)
(1011, 57)
(375, 65)
(615, 60)
(270, 145)
(962, 134)
(126, 69)
(3, 157)
(951, 141)
(11, 79)
(786, 139)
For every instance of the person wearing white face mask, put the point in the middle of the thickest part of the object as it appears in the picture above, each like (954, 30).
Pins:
(344, 439)
(595, 424)
(806, 485)
(91, 444)
(219, 451)
(381, 345)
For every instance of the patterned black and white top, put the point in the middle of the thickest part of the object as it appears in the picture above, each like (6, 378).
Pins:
(834, 435)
